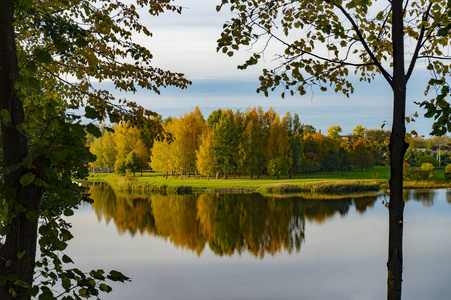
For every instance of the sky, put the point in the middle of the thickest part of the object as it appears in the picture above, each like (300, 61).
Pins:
(186, 43)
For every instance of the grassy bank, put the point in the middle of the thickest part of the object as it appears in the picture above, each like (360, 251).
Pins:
(350, 182)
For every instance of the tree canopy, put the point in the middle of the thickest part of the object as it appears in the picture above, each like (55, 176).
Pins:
(53, 54)
(328, 44)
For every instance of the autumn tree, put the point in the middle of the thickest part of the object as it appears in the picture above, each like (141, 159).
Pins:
(362, 155)
(334, 132)
(295, 134)
(108, 148)
(278, 149)
(142, 155)
(42, 43)
(326, 41)
(205, 155)
(358, 133)
(251, 146)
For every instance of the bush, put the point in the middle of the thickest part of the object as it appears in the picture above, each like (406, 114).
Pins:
(427, 159)
(448, 173)
(424, 173)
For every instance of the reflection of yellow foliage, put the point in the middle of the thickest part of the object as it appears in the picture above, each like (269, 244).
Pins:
(229, 223)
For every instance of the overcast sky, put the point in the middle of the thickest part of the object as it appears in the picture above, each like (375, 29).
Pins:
(187, 43)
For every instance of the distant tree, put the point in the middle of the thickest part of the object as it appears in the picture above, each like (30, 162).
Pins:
(334, 132)
(161, 158)
(295, 134)
(362, 155)
(227, 136)
(424, 173)
(108, 150)
(307, 129)
(132, 163)
(358, 133)
(96, 149)
(330, 161)
(278, 151)
(344, 161)
(142, 154)
(205, 155)
(426, 158)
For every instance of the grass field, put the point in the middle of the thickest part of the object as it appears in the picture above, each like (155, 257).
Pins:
(354, 181)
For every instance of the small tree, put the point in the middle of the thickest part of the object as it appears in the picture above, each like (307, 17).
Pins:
(132, 163)
(448, 173)
(424, 173)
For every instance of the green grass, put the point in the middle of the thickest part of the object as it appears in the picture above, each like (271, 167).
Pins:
(324, 182)
(354, 181)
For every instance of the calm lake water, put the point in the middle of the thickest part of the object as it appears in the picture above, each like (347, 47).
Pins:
(254, 247)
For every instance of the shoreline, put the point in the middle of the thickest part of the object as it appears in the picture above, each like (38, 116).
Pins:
(151, 183)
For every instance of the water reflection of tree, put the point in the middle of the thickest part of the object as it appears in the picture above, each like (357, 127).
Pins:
(426, 197)
(228, 223)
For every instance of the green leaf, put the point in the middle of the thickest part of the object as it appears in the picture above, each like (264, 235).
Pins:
(66, 259)
(27, 179)
(94, 130)
(8, 263)
(43, 56)
(32, 215)
(65, 282)
(6, 117)
(105, 288)
(34, 83)
(20, 254)
(31, 67)
(117, 276)
(68, 212)
(28, 160)
(81, 42)
(91, 113)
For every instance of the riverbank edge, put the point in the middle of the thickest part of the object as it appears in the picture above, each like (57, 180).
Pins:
(328, 186)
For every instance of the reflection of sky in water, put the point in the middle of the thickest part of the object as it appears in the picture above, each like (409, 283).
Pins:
(342, 258)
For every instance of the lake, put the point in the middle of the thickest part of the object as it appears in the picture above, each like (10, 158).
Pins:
(249, 246)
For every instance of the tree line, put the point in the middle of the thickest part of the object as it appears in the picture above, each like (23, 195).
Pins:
(251, 142)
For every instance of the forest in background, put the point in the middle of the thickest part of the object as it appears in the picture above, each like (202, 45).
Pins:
(253, 142)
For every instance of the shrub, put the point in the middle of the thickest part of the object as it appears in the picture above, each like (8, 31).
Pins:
(424, 173)
(448, 173)
(427, 159)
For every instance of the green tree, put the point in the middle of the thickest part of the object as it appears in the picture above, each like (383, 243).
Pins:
(358, 133)
(295, 134)
(334, 132)
(325, 41)
(41, 44)
(132, 163)
(330, 161)
(344, 161)
(251, 153)
(362, 155)
(227, 136)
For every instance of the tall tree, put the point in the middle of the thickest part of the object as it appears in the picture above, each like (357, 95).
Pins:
(325, 40)
(41, 44)
(205, 155)
(227, 135)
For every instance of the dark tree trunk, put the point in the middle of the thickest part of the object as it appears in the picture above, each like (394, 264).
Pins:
(398, 147)
(22, 235)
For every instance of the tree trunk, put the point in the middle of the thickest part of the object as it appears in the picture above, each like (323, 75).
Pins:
(397, 147)
(22, 235)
